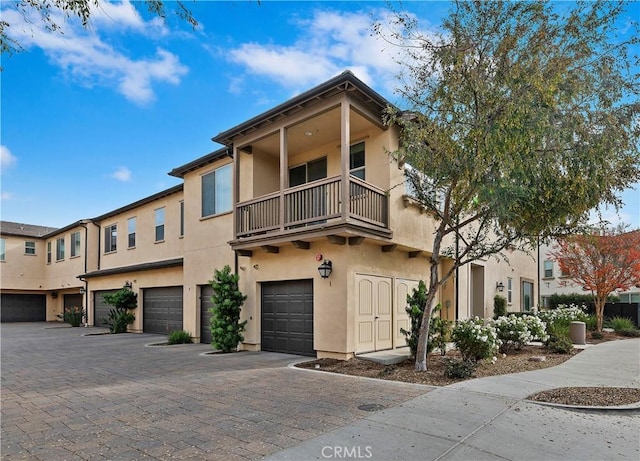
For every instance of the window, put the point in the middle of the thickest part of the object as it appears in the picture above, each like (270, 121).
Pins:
(29, 248)
(548, 268)
(416, 183)
(159, 224)
(48, 252)
(60, 249)
(3, 249)
(181, 219)
(75, 244)
(509, 290)
(131, 232)
(307, 172)
(527, 296)
(110, 238)
(356, 160)
(216, 191)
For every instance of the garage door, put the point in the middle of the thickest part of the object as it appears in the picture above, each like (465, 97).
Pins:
(162, 310)
(23, 308)
(287, 317)
(206, 292)
(101, 308)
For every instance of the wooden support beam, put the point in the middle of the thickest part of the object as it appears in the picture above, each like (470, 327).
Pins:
(245, 253)
(337, 240)
(388, 248)
(355, 240)
(301, 244)
(270, 249)
(414, 254)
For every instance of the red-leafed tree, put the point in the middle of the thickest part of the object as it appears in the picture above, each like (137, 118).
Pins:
(601, 263)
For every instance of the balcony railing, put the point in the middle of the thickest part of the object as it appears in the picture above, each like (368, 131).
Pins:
(314, 203)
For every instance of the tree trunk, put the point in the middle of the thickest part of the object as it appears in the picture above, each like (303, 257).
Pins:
(599, 305)
(421, 352)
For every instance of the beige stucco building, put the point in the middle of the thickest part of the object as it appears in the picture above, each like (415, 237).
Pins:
(306, 183)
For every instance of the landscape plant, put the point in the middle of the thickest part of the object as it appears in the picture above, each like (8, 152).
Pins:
(519, 118)
(438, 329)
(515, 332)
(226, 327)
(474, 340)
(621, 323)
(499, 306)
(119, 317)
(72, 315)
(179, 337)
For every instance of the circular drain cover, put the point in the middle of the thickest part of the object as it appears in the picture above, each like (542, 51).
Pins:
(371, 407)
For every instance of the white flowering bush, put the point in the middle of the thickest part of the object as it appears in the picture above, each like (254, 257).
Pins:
(515, 331)
(564, 315)
(474, 340)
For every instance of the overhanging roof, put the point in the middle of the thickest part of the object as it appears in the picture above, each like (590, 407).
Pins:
(134, 268)
(180, 171)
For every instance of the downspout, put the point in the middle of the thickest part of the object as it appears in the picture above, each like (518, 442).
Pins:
(86, 284)
(99, 234)
(457, 288)
(539, 280)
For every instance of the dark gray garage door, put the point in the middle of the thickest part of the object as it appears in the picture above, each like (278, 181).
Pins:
(101, 308)
(23, 308)
(73, 300)
(287, 317)
(162, 310)
(206, 292)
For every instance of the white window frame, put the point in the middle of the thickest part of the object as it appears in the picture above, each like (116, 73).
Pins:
(30, 248)
(159, 214)
(60, 249)
(76, 244)
(3, 249)
(131, 232)
(547, 265)
(510, 290)
(111, 238)
(212, 209)
(49, 252)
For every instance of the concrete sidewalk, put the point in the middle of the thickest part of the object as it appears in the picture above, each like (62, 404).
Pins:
(490, 419)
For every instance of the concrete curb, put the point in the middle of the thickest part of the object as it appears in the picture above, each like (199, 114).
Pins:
(631, 408)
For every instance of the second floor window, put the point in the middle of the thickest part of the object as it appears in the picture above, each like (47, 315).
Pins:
(216, 191)
(29, 248)
(75, 244)
(110, 238)
(548, 268)
(356, 161)
(60, 249)
(48, 252)
(181, 219)
(509, 290)
(159, 224)
(131, 232)
(3, 249)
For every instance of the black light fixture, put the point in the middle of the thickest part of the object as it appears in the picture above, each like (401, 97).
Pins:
(127, 285)
(325, 269)
(499, 286)
(82, 290)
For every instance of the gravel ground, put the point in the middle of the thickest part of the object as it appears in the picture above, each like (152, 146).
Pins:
(529, 358)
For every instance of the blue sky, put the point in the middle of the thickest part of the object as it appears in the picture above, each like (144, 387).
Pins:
(94, 119)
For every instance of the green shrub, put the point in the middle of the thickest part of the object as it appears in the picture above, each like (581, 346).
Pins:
(591, 322)
(179, 337)
(514, 332)
(499, 306)
(474, 340)
(596, 335)
(438, 327)
(559, 344)
(119, 320)
(72, 315)
(556, 300)
(226, 328)
(459, 369)
(629, 332)
(621, 323)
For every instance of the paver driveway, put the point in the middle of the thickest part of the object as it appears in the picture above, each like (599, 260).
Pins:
(68, 396)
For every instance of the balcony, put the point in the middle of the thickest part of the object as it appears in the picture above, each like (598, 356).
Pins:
(314, 207)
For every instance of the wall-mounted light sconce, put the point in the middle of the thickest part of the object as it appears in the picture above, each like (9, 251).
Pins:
(127, 285)
(500, 286)
(82, 290)
(325, 269)
(54, 294)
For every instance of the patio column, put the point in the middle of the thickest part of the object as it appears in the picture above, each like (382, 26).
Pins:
(284, 174)
(235, 188)
(345, 128)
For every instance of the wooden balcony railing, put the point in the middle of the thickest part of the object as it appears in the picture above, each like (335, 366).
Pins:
(313, 203)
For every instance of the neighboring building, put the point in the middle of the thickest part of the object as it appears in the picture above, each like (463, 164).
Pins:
(553, 281)
(305, 184)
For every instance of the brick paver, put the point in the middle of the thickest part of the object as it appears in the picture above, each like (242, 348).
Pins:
(67, 396)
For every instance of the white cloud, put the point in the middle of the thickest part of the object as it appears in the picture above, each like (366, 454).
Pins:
(90, 60)
(7, 195)
(122, 174)
(329, 42)
(7, 159)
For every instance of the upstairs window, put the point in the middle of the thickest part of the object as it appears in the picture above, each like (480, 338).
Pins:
(509, 290)
(110, 238)
(181, 219)
(49, 252)
(307, 172)
(75, 244)
(30, 248)
(131, 232)
(548, 268)
(3, 249)
(60, 249)
(356, 160)
(159, 224)
(216, 191)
